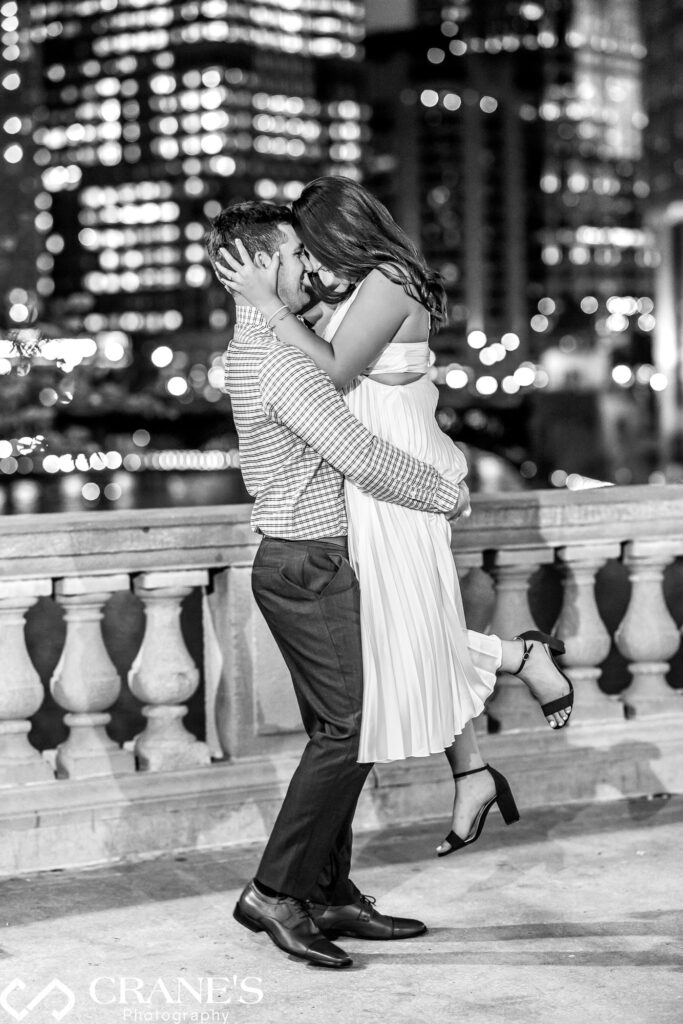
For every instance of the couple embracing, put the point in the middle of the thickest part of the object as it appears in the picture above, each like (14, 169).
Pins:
(354, 488)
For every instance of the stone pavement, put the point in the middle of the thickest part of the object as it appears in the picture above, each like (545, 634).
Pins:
(573, 916)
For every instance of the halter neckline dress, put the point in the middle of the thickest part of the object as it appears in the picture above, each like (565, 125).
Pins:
(424, 674)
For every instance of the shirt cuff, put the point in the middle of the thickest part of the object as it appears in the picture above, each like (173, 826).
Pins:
(446, 495)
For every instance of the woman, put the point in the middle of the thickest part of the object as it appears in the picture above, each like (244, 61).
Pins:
(426, 677)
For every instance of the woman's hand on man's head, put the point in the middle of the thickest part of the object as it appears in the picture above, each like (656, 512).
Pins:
(255, 280)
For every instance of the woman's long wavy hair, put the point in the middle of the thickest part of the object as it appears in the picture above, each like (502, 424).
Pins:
(352, 233)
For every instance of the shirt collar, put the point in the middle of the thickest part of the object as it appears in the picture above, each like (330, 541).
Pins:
(249, 316)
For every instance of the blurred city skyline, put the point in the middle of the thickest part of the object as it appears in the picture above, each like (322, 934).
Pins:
(531, 149)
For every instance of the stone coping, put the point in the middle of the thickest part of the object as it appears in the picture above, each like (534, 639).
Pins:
(215, 536)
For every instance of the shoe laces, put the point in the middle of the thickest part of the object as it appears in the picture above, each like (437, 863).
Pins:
(298, 907)
(368, 900)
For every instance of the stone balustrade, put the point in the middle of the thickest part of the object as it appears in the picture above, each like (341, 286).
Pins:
(598, 566)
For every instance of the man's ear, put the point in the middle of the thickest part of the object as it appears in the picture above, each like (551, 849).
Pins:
(262, 259)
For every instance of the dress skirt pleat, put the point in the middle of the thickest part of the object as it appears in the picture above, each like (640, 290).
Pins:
(425, 675)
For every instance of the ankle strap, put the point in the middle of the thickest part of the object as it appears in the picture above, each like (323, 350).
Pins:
(472, 771)
(528, 648)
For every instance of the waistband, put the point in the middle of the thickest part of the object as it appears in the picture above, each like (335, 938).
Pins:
(307, 542)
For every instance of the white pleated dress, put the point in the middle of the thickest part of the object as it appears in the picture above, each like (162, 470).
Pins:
(425, 675)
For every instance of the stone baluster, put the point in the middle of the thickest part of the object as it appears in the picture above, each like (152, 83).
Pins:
(647, 635)
(512, 706)
(163, 675)
(228, 612)
(21, 691)
(86, 682)
(467, 562)
(476, 589)
(585, 635)
(250, 705)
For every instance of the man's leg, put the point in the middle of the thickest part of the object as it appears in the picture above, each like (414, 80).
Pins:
(309, 596)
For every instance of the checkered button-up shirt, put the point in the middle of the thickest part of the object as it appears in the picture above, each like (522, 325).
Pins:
(298, 441)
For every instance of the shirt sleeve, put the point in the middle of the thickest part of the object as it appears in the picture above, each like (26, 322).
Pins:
(296, 394)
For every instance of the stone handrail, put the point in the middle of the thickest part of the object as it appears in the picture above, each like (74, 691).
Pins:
(69, 544)
(81, 561)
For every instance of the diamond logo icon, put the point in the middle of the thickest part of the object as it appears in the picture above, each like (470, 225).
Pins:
(17, 985)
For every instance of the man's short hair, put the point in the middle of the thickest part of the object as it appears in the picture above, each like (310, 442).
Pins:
(255, 223)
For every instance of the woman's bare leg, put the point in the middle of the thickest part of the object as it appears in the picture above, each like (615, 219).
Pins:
(545, 683)
(473, 790)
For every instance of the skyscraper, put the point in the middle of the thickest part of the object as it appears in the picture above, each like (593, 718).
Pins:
(158, 112)
(521, 178)
(449, 158)
(664, 205)
(20, 218)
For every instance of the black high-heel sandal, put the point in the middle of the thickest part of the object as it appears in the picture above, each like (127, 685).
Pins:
(551, 643)
(506, 806)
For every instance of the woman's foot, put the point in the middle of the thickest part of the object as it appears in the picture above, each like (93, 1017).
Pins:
(544, 679)
(472, 792)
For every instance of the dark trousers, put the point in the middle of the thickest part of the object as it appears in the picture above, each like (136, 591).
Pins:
(309, 596)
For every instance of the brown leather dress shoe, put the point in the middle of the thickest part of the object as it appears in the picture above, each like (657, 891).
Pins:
(289, 925)
(362, 921)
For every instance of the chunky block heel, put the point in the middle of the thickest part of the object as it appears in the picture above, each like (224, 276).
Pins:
(506, 806)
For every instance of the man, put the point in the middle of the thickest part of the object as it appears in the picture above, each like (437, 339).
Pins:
(297, 443)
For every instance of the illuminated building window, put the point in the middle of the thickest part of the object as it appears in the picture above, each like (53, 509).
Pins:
(149, 102)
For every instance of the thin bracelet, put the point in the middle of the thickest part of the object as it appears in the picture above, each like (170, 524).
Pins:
(283, 316)
(279, 310)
